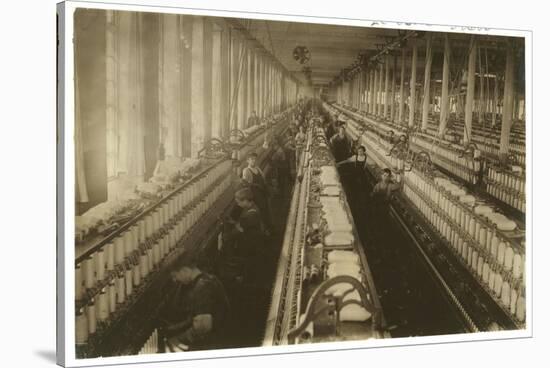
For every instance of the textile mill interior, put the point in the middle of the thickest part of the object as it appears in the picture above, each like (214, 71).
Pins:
(247, 182)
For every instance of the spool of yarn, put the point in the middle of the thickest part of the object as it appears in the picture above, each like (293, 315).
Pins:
(479, 268)
(517, 266)
(110, 251)
(472, 227)
(482, 237)
(498, 284)
(505, 294)
(494, 245)
(100, 264)
(119, 250)
(128, 242)
(135, 237)
(520, 308)
(120, 288)
(485, 275)
(143, 265)
(79, 283)
(460, 247)
(471, 253)
(492, 278)
(465, 251)
(163, 213)
(156, 253)
(112, 297)
(142, 233)
(128, 281)
(150, 263)
(103, 306)
(91, 314)
(149, 230)
(156, 221)
(164, 247)
(501, 252)
(81, 327)
(179, 228)
(174, 240)
(508, 258)
(513, 300)
(136, 275)
(89, 277)
(477, 231)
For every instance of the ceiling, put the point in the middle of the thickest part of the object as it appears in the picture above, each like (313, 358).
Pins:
(333, 47)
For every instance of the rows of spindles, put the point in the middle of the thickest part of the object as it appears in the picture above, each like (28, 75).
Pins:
(151, 345)
(463, 166)
(489, 141)
(517, 135)
(486, 139)
(491, 258)
(109, 276)
(507, 186)
(493, 150)
(495, 262)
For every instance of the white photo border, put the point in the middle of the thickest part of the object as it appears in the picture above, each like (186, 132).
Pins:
(66, 190)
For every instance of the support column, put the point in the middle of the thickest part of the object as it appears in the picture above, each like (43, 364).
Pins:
(207, 82)
(257, 81)
(198, 72)
(444, 113)
(226, 93)
(380, 90)
(481, 94)
(386, 87)
(470, 91)
(235, 61)
(269, 89)
(392, 97)
(241, 106)
(372, 100)
(401, 115)
(495, 102)
(111, 93)
(249, 86)
(376, 89)
(261, 86)
(217, 82)
(427, 81)
(508, 103)
(412, 101)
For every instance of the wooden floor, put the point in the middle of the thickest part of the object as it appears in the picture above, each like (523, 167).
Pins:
(249, 308)
(411, 302)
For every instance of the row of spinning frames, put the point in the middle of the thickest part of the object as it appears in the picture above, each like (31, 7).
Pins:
(324, 289)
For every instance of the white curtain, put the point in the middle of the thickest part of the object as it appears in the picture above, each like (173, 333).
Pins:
(170, 78)
(131, 133)
(80, 179)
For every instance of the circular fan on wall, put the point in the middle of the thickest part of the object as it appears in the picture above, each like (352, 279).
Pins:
(301, 54)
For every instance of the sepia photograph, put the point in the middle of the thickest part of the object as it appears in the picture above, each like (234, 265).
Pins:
(251, 181)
